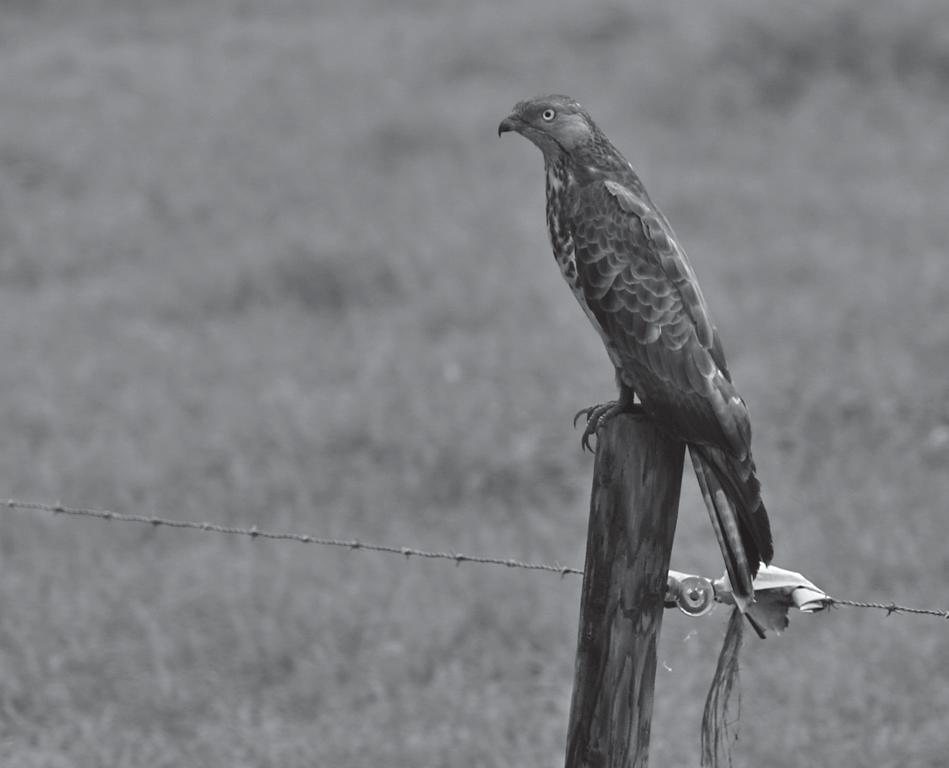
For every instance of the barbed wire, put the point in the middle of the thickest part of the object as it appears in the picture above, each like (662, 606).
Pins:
(304, 538)
(254, 532)
(890, 608)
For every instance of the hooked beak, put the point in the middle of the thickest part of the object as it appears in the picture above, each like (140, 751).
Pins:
(510, 123)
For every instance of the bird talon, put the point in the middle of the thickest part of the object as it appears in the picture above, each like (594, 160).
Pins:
(582, 412)
(596, 416)
(585, 443)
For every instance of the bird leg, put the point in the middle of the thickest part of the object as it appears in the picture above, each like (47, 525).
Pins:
(600, 415)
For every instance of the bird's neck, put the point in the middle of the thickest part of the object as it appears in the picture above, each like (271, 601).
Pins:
(560, 186)
(565, 171)
(560, 177)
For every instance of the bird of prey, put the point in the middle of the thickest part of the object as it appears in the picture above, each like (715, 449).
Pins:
(634, 282)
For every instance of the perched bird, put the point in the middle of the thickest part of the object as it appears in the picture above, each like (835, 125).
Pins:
(625, 266)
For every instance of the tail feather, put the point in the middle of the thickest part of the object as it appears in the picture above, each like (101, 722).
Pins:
(732, 495)
(725, 523)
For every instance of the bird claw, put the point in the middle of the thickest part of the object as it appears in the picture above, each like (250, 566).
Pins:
(599, 416)
(582, 412)
(596, 416)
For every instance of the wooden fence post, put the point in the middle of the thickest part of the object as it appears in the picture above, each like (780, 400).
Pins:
(633, 510)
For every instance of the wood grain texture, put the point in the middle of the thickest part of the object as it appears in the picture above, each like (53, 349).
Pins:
(633, 511)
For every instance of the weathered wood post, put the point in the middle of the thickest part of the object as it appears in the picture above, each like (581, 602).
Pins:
(633, 510)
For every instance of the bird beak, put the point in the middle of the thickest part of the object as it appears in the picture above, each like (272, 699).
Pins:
(509, 123)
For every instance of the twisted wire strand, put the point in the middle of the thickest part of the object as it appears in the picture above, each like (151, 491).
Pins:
(355, 544)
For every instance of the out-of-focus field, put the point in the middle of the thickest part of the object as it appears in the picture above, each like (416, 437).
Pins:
(268, 262)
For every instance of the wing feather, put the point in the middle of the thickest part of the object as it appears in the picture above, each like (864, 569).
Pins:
(639, 285)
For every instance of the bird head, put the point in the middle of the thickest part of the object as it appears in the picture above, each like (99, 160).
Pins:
(558, 125)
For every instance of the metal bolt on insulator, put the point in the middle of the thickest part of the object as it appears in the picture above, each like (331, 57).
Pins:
(696, 595)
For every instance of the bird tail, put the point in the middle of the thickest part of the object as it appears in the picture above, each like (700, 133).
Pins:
(732, 495)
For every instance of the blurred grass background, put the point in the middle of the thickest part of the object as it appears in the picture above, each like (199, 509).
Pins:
(267, 262)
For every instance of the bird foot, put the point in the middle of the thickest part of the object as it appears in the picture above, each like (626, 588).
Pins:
(600, 415)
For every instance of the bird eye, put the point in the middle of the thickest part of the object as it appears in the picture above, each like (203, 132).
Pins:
(548, 115)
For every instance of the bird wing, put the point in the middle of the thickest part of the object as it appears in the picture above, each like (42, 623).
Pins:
(640, 287)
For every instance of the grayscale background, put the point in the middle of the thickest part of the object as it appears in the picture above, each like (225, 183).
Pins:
(267, 262)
